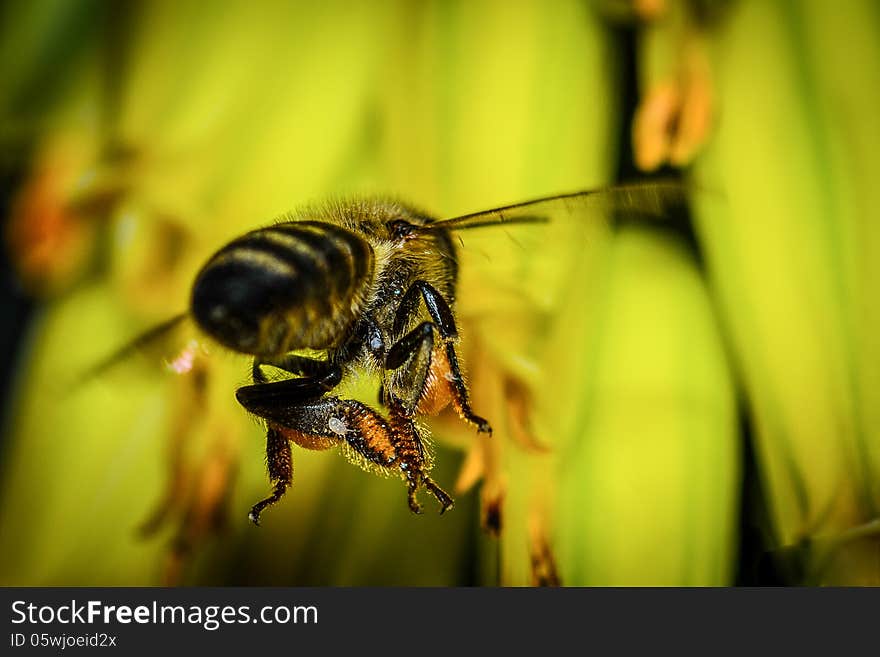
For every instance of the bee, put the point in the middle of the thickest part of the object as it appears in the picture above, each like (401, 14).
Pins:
(369, 286)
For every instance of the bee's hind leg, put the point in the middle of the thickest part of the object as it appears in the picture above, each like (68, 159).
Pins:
(280, 465)
(297, 409)
(273, 400)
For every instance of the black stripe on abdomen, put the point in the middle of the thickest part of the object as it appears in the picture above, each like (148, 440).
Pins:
(349, 257)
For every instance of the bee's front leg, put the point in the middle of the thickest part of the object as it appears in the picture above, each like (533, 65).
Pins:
(433, 375)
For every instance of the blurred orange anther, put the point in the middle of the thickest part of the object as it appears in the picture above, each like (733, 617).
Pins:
(47, 241)
(471, 470)
(695, 114)
(649, 10)
(654, 125)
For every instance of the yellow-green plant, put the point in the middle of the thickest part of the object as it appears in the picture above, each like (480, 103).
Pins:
(792, 249)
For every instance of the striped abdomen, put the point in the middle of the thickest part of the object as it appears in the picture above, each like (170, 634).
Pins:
(290, 286)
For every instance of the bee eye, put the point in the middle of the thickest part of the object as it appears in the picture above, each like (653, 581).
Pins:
(400, 229)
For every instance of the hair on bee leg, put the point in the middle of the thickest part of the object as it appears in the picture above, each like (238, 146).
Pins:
(413, 461)
(280, 466)
(460, 397)
(412, 489)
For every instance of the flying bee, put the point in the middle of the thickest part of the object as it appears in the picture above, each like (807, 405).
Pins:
(362, 286)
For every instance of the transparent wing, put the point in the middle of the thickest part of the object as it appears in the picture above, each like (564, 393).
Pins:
(521, 266)
(524, 253)
(648, 199)
(174, 344)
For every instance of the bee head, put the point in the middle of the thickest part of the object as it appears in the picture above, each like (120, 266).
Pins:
(401, 230)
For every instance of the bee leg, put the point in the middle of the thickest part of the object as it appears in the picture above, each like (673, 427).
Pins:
(293, 364)
(460, 398)
(296, 409)
(267, 396)
(437, 307)
(444, 321)
(271, 400)
(384, 443)
(377, 441)
(414, 348)
(303, 415)
(446, 502)
(412, 461)
(280, 465)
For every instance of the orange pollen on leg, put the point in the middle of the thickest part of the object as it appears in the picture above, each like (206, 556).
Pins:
(437, 392)
(376, 433)
(408, 444)
(307, 440)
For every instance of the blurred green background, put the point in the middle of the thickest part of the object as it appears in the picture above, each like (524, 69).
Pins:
(694, 403)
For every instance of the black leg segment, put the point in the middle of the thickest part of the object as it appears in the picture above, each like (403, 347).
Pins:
(280, 465)
(432, 375)
(269, 399)
(437, 307)
(460, 393)
(420, 338)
